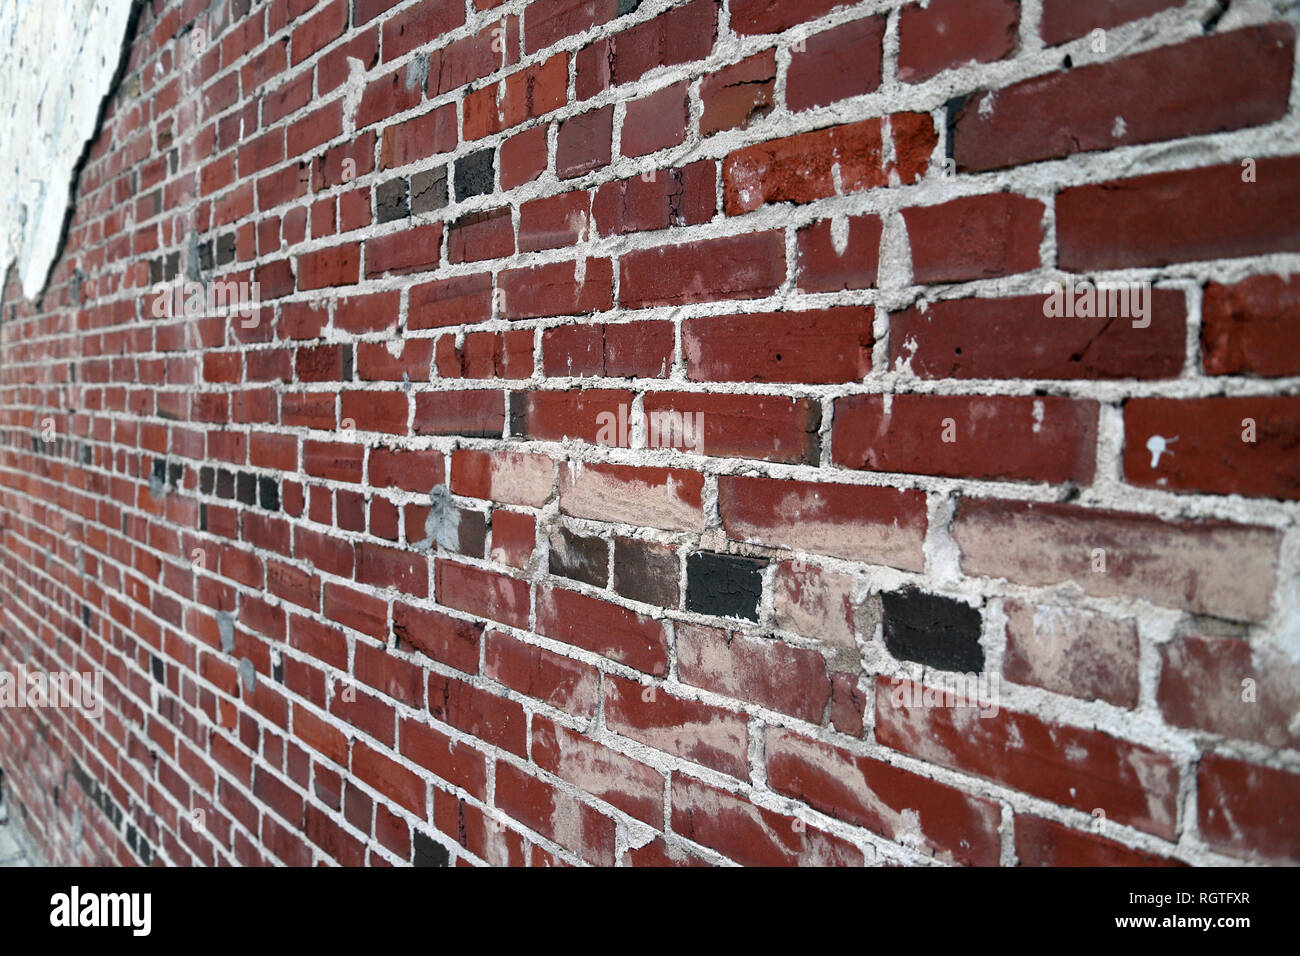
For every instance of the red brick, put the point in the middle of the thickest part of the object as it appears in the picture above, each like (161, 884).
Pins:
(555, 815)
(460, 300)
(513, 538)
(819, 346)
(506, 477)
(628, 349)
(1203, 445)
(1159, 95)
(655, 122)
(768, 428)
(375, 363)
(877, 525)
(523, 95)
(479, 713)
(734, 267)
(992, 436)
(411, 470)
(773, 16)
(739, 94)
(447, 759)
(932, 817)
(837, 63)
(603, 628)
(549, 21)
(848, 702)
(584, 143)
(523, 157)
(419, 24)
(1245, 810)
(470, 58)
(486, 355)
(676, 36)
(419, 138)
(554, 222)
(1249, 327)
(976, 237)
(657, 853)
(1069, 766)
(332, 169)
(445, 639)
(778, 676)
(392, 567)
(558, 288)
(1068, 19)
(1181, 216)
(312, 34)
(801, 169)
(837, 254)
(1073, 652)
(367, 313)
(475, 413)
(666, 498)
(376, 411)
(1172, 563)
(391, 676)
(702, 733)
(334, 266)
(387, 96)
(1203, 686)
(949, 33)
(1015, 338)
(670, 197)
(559, 415)
(750, 835)
(339, 461)
(1042, 842)
(484, 836)
(485, 593)
(620, 781)
(567, 684)
(389, 778)
(481, 235)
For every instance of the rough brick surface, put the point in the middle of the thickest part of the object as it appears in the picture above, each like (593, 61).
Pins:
(650, 412)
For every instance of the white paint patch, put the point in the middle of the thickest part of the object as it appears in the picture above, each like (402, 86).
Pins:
(56, 63)
(1119, 128)
(839, 234)
(1158, 445)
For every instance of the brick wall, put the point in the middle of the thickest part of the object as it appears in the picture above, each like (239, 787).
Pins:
(649, 412)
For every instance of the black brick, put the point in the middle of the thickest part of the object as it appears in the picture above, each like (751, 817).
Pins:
(725, 585)
(475, 174)
(933, 630)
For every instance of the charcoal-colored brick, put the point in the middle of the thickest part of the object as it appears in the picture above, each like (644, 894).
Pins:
(475, 174)
(429, 190)
(427, 851)
(579, 557)
(647, 571)
(225, 483)
(268, 493)
(724, 584)
(933, 630)
(225, 248)
(390, 200)
(246, 490)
